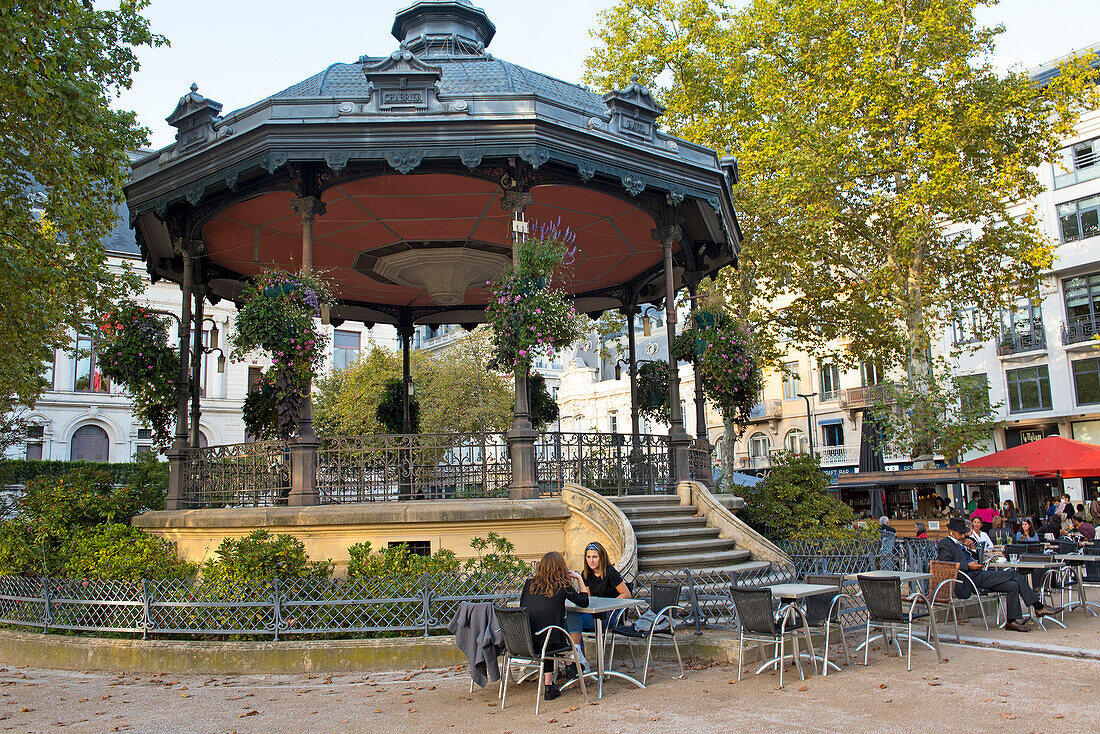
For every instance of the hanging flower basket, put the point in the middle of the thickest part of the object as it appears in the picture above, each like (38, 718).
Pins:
(280, 289)
(653, 390)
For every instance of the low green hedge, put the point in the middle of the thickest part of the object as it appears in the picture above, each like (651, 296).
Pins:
(21, 471)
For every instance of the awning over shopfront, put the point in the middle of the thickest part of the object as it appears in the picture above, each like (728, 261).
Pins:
(1050, 457)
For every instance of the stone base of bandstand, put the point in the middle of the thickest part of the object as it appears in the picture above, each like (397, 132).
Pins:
(535, 526)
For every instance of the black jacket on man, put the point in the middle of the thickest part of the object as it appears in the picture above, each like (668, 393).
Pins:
(1005, 581)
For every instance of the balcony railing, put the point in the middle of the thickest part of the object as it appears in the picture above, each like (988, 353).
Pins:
(767, 410)
(1017, 341)
(838, 455)
(864, 397)
(1086, 166)
(1078, 331)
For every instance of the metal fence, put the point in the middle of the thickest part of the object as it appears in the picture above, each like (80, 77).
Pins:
(391, 605)
(253, 474)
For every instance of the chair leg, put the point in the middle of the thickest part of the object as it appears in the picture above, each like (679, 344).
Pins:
(867, 643)
(580, 675)
(955, 619)
(935, 631)
(825, 656)
(648, 649)
(538, 693)
(507, 675)
(679, 660)
(780, 662)
(909, 646)
(740, 654)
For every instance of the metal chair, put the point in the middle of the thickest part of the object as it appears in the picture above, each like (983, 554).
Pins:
(823, 611)
(944, 578)
(663, 600)
(884, 610)
(765, 624)
(1052, 580)
(1092, 568)
(520, 653)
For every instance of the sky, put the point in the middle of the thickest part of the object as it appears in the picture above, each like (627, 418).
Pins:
(240, 51)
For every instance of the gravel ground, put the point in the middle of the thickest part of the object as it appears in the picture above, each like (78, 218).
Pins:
(975, 690)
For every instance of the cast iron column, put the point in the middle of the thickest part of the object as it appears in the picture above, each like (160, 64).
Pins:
(679, 442)
(197, 363)
(522, 436)
(303, 449)
(406, 479)
(635, 429)
(178, 452)
(700, 401)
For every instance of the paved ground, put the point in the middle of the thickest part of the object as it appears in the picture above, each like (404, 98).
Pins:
(976, 690)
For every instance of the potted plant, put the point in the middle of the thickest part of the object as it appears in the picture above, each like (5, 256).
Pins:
(279, 316)
(134, 352)
(652, 381)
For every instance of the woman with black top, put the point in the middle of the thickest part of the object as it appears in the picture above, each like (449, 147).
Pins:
(603, 580)
(544, 596)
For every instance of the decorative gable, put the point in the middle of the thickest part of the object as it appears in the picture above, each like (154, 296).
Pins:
(403, 83)
(193, 119)
(633, 111)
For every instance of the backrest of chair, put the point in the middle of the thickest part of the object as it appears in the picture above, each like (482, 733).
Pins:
(882, 597)
(663, 595)
(1034, 557)
(1015, 549)
(1067, 545)
(1092, 568)
(755, 609)
(943, 571)
(516, 629)
(817, 606)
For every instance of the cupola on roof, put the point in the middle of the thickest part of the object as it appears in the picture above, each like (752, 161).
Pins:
(439, 22)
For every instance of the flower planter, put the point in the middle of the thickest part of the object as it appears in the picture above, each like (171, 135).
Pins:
(280, 289)
(706, 319)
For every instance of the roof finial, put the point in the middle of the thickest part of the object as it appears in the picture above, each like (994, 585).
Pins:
(194, 87)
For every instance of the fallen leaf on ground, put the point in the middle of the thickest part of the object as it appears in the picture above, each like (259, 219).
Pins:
(249, 713)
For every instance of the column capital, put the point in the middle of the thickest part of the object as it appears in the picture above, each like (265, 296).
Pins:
(308, 206)
(666, 235)
(516, 201)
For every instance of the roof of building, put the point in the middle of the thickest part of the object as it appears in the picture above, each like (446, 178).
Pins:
(1043, 73)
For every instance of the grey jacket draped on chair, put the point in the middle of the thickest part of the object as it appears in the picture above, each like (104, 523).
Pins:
(478, 635)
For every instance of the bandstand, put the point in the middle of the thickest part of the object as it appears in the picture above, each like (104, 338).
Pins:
(406, 178)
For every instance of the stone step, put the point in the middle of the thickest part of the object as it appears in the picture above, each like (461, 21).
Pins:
(669, 511)
(716, 580)
(645, 524)
(640, 500)
(659, 533)
(683, 546)
(717, 559)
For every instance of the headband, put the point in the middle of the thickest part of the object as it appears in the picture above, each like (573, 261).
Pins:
(592, 546)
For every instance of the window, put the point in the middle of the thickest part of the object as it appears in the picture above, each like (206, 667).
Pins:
(1086, 381)
(1082, 299)
(795, 442)
(830, 381)
(145, 434)
(1029, 389)
(792, 381)
(832, 434)
(89, 443)
(613, 421)
(416, 547)
(965, 328)
(1022, 329)
(345, 348)
(1080, 219)
(760, 446)
(48, 371)
(974, 394)
(870, 374)
(89, 376)
(35, 435)
(1077, 163)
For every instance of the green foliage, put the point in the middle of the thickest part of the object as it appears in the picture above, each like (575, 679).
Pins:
(547, 247)
(147, 468)
(721, 348)
(23, 551)
(87, 497)
(278, 316)
(794, 502)
(63, 163)
(397, 560)
(391, 408)
(543, 407)
(652, 381)
(496, 555)
(262, 556)
(881, 159)
(117, 551)
(134, 352)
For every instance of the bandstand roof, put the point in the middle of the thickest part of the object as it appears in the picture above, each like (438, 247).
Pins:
(411, 153)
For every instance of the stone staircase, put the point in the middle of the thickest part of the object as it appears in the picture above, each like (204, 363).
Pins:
(673, 537)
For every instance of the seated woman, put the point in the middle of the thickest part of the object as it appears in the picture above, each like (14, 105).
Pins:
(1026, 533)
(604, 581)
(544, 596)
(1000, 535)
(921, 530)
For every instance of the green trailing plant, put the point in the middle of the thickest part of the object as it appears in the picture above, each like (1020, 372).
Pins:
(652, 381)
(134, 352)
(527, 316)
(794, 502)
(543, 407)
(721, 349)
(278, 316)
(262, 556)
(391, 408)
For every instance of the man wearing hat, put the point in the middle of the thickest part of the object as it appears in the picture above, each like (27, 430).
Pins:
(952, 550)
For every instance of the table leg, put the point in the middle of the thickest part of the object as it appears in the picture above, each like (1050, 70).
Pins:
(599, 656)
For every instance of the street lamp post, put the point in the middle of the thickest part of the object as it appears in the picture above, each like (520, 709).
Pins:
(809, 417)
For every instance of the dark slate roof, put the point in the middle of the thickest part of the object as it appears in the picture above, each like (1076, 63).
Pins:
(121, 240)
(462, 76)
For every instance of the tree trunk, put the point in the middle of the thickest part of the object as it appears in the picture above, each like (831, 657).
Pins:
(919, 377)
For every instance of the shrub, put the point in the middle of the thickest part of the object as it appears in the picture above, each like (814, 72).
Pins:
(87, 497)
(262, 556)
(397, 560)
(794, 502)
(496, 554)
(22, 549)
(22, 471)
(118, 551)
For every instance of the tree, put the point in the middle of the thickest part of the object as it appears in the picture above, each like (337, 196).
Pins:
(455, 389)
(882, 159)
(63, 162)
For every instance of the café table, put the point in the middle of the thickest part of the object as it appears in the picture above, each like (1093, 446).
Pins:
(1076, 561)
(598, 605)
(1017, 564)
(795, 593)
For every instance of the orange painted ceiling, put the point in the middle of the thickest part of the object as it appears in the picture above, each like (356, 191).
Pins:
(613, 236)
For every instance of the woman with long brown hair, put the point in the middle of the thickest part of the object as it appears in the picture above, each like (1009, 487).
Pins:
(603, 580)
(544, 596)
